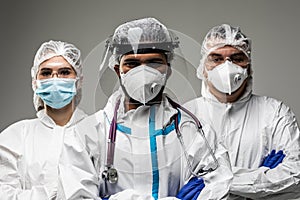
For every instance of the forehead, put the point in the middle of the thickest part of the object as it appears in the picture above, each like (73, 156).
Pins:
(143, 57)
(226, 51)
(55, 62)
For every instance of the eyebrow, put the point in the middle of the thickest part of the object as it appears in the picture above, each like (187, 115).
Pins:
(131, 60)
(214, 54)
(234, 54)
(48, 68)
(147, 60)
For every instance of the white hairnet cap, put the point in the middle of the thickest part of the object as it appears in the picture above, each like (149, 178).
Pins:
(220, 36)
(146, 30)
(141, 34)
(57, 48)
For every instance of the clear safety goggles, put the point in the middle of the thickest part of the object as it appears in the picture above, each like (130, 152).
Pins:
(239, 58)
(65, 72)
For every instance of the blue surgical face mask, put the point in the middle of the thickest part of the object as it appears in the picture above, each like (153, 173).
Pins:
(56, 92)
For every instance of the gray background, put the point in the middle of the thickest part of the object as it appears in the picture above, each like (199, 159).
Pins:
(272, 25)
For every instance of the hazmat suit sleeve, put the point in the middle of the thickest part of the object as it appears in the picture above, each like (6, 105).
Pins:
(281, 182)
(12, 168)
(77, 165)
(217, 182)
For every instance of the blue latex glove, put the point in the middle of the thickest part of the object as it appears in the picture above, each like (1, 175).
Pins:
(191, 190)
(273, 159)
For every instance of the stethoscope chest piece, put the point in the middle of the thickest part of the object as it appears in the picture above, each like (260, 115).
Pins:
(110, 174)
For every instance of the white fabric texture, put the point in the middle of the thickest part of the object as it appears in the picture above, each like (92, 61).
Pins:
(29, 155)
(140, 176)
(250, 128)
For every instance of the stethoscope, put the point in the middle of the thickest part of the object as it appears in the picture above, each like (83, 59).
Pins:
(201, 171)
(110, 174)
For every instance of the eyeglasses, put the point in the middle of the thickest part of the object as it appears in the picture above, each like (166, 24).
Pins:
(238, 58)
(65, 72)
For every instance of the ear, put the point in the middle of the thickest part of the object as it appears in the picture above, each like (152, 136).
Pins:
(117, 70)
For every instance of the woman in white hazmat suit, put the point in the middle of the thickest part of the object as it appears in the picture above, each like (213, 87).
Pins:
(30, 149)
(145, 150)
(249, 126)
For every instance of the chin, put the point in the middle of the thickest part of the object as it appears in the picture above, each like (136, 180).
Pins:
(226, 97)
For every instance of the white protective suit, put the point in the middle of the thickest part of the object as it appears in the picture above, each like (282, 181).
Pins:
(29, 154)
(149, 159)
(250, 128)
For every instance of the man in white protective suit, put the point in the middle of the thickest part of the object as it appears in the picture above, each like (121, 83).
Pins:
(260, 133)
(143, 145)
(30, 149)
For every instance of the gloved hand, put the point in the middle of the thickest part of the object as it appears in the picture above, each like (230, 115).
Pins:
(273, 159)
(191, 190)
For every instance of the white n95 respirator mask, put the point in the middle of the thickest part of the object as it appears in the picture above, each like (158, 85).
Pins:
(143, 83)
(227, 77)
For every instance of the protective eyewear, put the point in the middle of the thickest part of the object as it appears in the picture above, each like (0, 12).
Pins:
(237, 58)
(65, 72)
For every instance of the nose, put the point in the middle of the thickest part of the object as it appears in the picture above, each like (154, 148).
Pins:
(53, 74)
(228, 58)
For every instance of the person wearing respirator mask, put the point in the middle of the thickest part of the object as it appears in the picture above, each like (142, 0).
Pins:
(261, 133)
(132, 142)
(30, 149)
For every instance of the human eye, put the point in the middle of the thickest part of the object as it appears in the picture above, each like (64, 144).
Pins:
(65, 71)
(215, 59)
(239, 58)
(45, 73)
(155, 64)
(131, 64)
